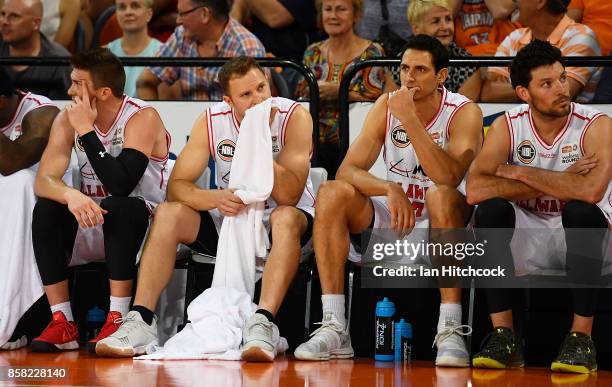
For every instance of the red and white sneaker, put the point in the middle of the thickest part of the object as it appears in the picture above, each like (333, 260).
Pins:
(113, 321)
(59, 335)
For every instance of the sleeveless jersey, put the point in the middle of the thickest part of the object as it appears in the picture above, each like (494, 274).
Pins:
(223, 131)
(152, 185)
(401, 159)
(28, 103)
(528, 149)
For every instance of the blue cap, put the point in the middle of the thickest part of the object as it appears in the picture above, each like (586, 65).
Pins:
(385, 308)
(96, 314)
(403, 328)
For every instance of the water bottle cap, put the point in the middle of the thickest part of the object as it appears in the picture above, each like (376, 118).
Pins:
(385, 303)
(95, 314)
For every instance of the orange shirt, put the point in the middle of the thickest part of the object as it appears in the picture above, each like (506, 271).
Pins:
(597, 14)
(477, 31)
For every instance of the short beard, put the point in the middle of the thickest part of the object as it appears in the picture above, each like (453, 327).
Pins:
(552, 113)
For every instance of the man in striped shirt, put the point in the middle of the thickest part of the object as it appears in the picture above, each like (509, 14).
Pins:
(205, 31)
(547, 21)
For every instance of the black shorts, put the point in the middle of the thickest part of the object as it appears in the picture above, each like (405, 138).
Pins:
(208, 238)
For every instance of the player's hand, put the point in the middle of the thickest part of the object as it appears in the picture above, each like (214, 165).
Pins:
(87, 212)
(81, 113)
(583, 165)
(401, 103)
(328, 91)
(228, 203)
(402, 214)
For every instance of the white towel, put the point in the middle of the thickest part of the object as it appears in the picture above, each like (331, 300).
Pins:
(20, 283)
(218, 315)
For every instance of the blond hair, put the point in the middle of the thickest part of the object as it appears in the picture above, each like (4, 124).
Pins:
(357, 9)
(146, 3)
(418, 8)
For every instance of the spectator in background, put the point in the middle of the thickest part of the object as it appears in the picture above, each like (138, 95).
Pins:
(481, 25)
(434, 18)
(285, 27)
(328, 61)
(133, 16)
(547, 21)
(598, 16)
(21, 36)
(206, 30)
(369, 25)
(60, 19)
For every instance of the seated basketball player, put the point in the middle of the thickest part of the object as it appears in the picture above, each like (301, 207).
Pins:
(25, 123)
(122, 148)
(430, 137)
(528, 177)
(195, 214)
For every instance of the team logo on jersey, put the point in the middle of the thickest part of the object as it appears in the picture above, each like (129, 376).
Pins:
(226, 149)
(399, 137)
(526, 152)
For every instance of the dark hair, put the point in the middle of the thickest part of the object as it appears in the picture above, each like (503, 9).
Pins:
(105, 68)
(236, 68)
(6, 83)
(536, 54)
(220, 8)
(557, 7)
(439, 53)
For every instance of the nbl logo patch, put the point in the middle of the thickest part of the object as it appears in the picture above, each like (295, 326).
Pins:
(399, 137)
(226, 149)
(526, 152)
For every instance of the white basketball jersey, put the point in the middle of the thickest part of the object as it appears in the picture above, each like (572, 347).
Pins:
(401, 159)
(28, 103)
(528, 149)
(152, 185)
(223, 131)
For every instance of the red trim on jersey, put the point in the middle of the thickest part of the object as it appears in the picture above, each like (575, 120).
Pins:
(117, 115)
(236, 124)
(387, 126)
(450, 119)
(511, 134)
(210, 135)
(586, 128)
(559, 135)
(442, 103)
(285, 122)
(168, 142)
(314, 201)
(220, 113)
(131, 102)
(518, 115)
(17, 111)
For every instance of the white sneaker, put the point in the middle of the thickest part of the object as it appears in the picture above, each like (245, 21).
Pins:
(13, 345)
(131, 339)
(452, 351)
(330, 341)
(259, 338)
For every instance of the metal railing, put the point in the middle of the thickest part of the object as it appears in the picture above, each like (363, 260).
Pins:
(196, 62)
(474, 61)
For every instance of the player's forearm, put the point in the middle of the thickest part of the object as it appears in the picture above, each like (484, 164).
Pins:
(15, 156)
(363, 181)
(438, 165)
(147, 89)
(562, 185)
(191, 195)
(483, 187)
(51, 187)
(287, 186)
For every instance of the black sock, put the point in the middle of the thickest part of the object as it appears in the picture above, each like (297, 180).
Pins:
(15, 336)
(268, 315)
(147, 315)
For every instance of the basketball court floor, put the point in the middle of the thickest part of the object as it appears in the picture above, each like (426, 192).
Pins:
(80, 368)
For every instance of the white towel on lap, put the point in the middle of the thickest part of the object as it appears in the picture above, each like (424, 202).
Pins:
(218, 315)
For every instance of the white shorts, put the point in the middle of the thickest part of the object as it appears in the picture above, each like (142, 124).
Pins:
(539, 251)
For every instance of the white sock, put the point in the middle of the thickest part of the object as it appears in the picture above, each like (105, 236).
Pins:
(449, 312)
(65, 308)
(120, 304)
(334, 303)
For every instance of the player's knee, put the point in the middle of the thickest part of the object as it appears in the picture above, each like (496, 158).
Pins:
(168, 216)
(442, 202)
(286, 219)
(332, 195)
(578, 214)
(495, 212)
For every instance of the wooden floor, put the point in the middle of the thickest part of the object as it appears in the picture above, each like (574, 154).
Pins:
(84, 369)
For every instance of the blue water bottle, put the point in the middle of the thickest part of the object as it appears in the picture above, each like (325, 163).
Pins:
(384, 350)
(95, 322)
(403, 341)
